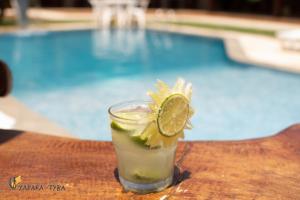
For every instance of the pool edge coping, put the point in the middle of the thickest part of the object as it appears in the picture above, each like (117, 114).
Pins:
(234, 48)
(23, 114)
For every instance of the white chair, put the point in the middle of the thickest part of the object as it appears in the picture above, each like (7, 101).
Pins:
(137, 12)
(121, 15)
(102, 13)
(123, 11)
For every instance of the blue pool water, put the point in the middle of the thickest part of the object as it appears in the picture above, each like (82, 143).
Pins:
(72, 77)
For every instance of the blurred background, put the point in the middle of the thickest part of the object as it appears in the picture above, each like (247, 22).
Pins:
(288, 8)
(72, 59)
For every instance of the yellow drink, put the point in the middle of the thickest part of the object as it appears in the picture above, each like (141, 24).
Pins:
(141, 169)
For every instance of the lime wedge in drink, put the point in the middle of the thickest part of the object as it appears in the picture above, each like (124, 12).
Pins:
(146, 176)
(133, 131)
(138, 140)
(114, 125)
(125, 117)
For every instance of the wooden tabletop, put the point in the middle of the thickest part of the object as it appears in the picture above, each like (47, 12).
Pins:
(61, 168)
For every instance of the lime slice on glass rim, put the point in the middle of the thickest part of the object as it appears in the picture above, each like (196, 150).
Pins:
(173, 115)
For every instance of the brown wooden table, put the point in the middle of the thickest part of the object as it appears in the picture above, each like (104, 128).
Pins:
(267, 168)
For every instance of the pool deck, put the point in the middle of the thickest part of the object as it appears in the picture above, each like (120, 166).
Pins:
(266, 168)
(29, 120)
(246, 48)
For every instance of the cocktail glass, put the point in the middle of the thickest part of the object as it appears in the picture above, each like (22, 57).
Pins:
(141, 169)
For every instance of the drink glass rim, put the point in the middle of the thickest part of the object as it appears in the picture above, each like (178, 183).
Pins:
(123, 104)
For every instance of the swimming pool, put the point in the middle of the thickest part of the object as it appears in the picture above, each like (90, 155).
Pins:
(72, 77)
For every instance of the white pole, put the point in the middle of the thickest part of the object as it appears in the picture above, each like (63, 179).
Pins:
(20, 7)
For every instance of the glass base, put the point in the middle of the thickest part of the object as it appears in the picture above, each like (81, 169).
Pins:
(144, 188)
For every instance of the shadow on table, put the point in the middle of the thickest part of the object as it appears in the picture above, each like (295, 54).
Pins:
(6, 135)
(179, 176)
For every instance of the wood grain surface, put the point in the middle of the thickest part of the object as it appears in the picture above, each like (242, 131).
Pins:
(266, 168)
